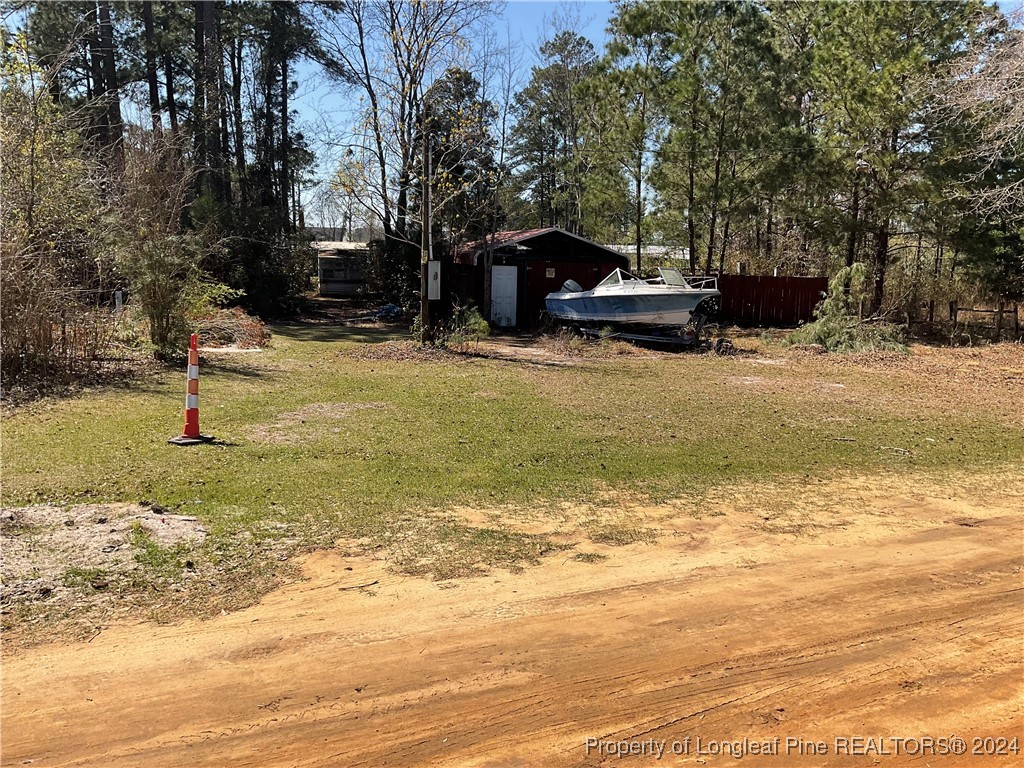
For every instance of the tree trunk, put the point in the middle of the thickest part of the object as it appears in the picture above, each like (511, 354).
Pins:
(224, 153)
(914, 286)
(691, 196)
(639, 211)
(713, 224)
(851, 236)
(151, 76)
(99, 126)
(691, 227)
(285, 169)
(725, 240)
(172, 107)
(199, 91)
(881, 264)
(375, 121)
(425, 331)
(728, 213)
(402, 205)
(211, 101)
(114, 122)
(265, 177)
(236, 106)
(757, 233)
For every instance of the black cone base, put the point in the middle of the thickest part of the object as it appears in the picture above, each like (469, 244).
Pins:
(182, 440)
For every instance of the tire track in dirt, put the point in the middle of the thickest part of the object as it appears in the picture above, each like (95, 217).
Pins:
(917, 632)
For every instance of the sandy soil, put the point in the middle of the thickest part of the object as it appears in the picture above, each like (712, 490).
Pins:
(43, 543)
(896, 613)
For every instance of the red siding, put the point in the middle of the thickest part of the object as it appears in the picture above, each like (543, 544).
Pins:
(538, 284)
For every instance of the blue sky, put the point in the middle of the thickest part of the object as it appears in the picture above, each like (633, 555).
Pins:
(325, 107)
(526, 19)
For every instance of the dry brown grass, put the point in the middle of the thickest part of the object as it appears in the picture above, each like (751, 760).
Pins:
(943, 379)
(291, 428)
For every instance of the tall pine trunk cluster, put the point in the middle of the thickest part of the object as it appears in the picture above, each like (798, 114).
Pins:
(216, 78)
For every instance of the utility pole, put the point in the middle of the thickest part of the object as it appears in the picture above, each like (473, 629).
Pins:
(426, 242)
(641, 145)
(639, 210)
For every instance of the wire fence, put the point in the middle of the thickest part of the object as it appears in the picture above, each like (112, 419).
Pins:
(53, 331)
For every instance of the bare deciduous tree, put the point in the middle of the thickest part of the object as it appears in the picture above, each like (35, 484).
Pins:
(391, 52)
(986, 88)
(53, 264)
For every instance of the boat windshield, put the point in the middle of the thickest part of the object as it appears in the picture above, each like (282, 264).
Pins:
(672, 276)
(618, 277)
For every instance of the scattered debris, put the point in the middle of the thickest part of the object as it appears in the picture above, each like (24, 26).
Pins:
(388, 313)
(894, 449)
(233, 328)
(397, 351)
(360, 586)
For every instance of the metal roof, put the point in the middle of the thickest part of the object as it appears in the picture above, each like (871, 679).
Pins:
(330, 245)
(468, 253)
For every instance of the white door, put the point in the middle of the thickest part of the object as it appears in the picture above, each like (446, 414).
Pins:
(504, 282)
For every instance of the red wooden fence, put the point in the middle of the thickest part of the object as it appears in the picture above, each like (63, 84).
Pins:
(756, 300)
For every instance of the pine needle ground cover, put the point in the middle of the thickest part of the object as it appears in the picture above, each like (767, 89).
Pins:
(322, 445)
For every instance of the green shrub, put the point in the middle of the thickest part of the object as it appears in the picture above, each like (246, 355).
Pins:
(466, 324)
(393, 272)
(839, 329)
(170, 289)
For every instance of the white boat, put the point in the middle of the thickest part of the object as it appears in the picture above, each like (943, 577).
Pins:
(621, 298)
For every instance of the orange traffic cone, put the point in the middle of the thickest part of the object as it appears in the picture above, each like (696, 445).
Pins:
(191, 434)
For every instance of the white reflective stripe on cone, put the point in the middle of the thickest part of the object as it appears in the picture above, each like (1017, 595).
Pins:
(191, 401)
(193, 371)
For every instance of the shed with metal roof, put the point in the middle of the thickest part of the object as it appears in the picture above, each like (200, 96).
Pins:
(509, 273)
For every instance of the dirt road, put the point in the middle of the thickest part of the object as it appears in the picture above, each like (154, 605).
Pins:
(899, 617)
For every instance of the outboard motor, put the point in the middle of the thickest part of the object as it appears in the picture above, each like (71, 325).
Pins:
(571, 286)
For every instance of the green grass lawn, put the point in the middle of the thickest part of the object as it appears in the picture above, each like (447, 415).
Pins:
(381, 443)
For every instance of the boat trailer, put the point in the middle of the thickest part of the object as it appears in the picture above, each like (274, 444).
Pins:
(694, 335)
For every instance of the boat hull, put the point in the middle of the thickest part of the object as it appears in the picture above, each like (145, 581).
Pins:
(669, 308)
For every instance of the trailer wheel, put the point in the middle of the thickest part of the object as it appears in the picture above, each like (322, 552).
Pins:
(723, 346)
